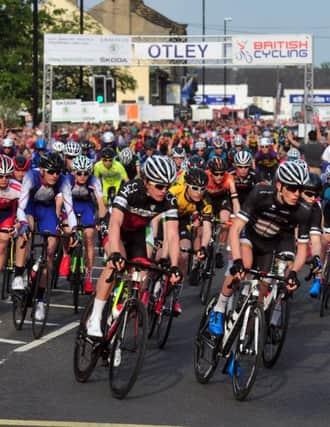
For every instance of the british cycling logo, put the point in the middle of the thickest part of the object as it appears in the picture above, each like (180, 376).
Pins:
(244, 54)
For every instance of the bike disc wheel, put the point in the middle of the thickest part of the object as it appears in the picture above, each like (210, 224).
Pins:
(248, 352)
(128, 348)
(20, 306)
(38, 326)
(86, 351)
(205, 347)
(164, 320)
(275, 335)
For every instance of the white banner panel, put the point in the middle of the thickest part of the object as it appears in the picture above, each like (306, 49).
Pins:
(178, 51)
(272, 49)
(83, 49)
(156, 113)
(202, 114)
(108, 112)
(66, 110)
(89, 112)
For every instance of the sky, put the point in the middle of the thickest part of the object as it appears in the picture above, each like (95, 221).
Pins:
(252, 16)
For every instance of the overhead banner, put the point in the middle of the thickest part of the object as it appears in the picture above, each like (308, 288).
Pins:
(82, 49)
(272, 49)
(178, 51)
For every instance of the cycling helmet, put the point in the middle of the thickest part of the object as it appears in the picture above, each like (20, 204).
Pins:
(6, 165)
(196, 162)
(58, 146)
(197, 177)
(72, 149)
(51, 160)
(303, 164)
(85, 145)
(126, 156)
(107, 153)
(8, 143)
(108, 137)
(217, 165)
(160, 169)
(265, 142)
(218, 142)
(200, 145)
(40, 144)
(314, 183)
(238, 140)
(291, 173)
(21, 163)
(82, 164)
(293, 154)
(243, 158)
(185, 165)
(178, 152)
(266, 133)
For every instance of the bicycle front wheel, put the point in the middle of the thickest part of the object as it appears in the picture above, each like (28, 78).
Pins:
(207, 277)
(128, 349)
(276, 331)
(165, 319)
(39, 323)
(248, 351)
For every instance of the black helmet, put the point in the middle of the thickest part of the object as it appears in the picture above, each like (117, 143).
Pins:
(51, 160)
(196, 176)
(107, 153)
(217, 165)
(314, 183)
(196, 161)
(85, 145)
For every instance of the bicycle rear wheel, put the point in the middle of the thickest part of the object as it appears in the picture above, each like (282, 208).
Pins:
(276, 333)
(128, 349)
(205, 348)
(207, 277)
(248, 351)
(38, 326)
(86, 351)
(165, 319)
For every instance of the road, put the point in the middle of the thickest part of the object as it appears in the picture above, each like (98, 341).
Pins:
(38, 386)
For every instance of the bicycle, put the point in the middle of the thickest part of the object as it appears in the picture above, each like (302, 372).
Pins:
(277, 311)
(9, 266)
(241, 345)
(325, 284)
(125, 333)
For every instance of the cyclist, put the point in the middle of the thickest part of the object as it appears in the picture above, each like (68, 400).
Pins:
(269, 218)
(219, 148)
(38, 202)
(21, 166)
(71, 150)
(130, 162)
(40, 148)
(8, 147)
(265, 160)
(110, 172)
(9, 195)
(239, 145)
(136, 204)
(86, 191)
(108, 139)
(58, 147)
(178, 154)
(87, 150)
(244, 175)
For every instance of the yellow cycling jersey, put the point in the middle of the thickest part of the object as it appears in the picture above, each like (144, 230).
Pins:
(186, 207)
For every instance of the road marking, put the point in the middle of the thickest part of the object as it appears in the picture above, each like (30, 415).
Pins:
(45, 339)
(4, 340)
(45, 423)
(64, 306)
(29, 322)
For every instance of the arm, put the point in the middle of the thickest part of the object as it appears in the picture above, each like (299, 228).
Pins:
(234, 237)
(24, 197)
(172, 234)
(67, 202)
(116, 221)
(301, 255)
(207, 233)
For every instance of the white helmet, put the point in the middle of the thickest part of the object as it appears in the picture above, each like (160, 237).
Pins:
(293, 154)
(238, 140)
(302, 163)
(200, 145)
(291, 173)
(265, 142)
(218, 142)
(126, 156)
(72, 149)
(82, 164)
(161, 170)
(178, 152)
(6, 165)
(108, 137)
(243, 158)
(58, 146)
(7, 143)
(266, 133)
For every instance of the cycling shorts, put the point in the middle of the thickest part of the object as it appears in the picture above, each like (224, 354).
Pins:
(7, 218)
(86, 211)
(134, 243)
(45, 216)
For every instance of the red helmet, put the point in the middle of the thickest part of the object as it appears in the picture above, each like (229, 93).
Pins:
(21, 163)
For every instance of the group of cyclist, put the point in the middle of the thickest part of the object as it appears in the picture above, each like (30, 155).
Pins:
(258, 187)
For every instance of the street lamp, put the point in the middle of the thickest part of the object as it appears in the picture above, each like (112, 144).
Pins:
(229, 19)
(203, 68)
(81, 30)
(35, 73)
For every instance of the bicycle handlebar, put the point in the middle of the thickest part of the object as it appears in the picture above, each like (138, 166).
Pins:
(138, 265)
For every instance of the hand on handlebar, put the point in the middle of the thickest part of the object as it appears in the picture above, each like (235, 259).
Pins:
(237, 270)
(116, 261)
(293, 282)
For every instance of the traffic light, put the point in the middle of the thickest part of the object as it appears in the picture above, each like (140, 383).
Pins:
(110, 91)
(99, 89)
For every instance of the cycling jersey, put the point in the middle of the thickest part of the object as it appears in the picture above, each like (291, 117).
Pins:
(244, 185)
(8, 203)
(139, 208)
(38, 200)
(266, 160)
(187, 207)
(110, 177)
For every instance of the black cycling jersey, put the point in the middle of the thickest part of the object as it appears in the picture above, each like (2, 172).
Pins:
(268, 218)
(244, 185)
(139, 208)
(316, 219)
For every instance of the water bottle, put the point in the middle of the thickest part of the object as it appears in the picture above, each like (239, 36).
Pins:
(276, 315)
(35, 268)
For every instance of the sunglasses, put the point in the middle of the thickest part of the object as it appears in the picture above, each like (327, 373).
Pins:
(82, 173)
(242, 167)
(107, 160)
(53, 171)
(309, 193)
(197, 188)
(264, 146)
(4, 176)
(218, 173)
(159, 186)
(293, 188)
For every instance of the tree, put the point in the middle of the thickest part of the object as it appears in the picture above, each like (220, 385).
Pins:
(16, 54)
